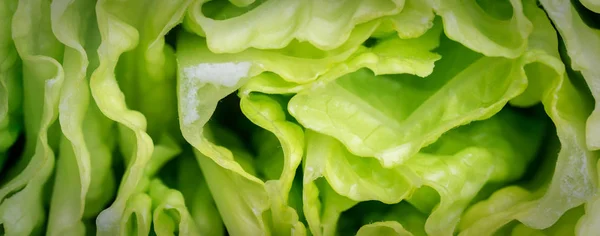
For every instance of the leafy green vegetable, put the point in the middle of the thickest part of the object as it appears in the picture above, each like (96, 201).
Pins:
(170, 215)
(573, 181)
(268, 114)
(266, 117)
(326, 25)
(198, 198)
(10, 84)
(394, 117)
(488, 32)
(22, 202)
(575, 34)
(383, 228)
(121, 32)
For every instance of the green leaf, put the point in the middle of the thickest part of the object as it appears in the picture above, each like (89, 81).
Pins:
(481, 30)
(199, 200)
(582, 43)
(461, 162)
(170, 216)
(138, 214)
(298, 62)
(573, 180)
(568, 110)
(240, 200)
(121, 31)
(383, 228)
(389, 55)
(270, 115)
(22, 207)
(98, 134)
(323, 207)
(587, 224)
(74, 168)
(11, 87)
(270, 158)
(392, 117)
(266, 25)
(165, 150)
(564, 226)
(593, 5)
(357, 178)
(321, 204)
(220, 156)
(408, 216)
(413, 21)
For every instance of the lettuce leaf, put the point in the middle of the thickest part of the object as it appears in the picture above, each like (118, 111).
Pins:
(593, 5)
(74, 167)
(198, 198)
(383, 228)
(11, 88)
(577, 35)
(121, 32)
(326, 25)
(387, 56)
(298, 62)
(244, 196)
(413, 21)
(170, 215)
(398, 215)
(457, 167)
(353, 176)
(22, 208)
(265, 117)
(465, 159)
(486, 30)
(573, 180)
(269, 114)
(564, 226)
(222, 166)
(390, 117)
(322, 205)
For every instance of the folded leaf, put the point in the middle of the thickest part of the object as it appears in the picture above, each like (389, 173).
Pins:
(495, 31)
(11, 88)
(121, 31)
(572, 182)
(270, 157)
(389, 55)
(199, 200)
(461, 162)
(582, 43)
(392, 117)
(224, 163)
(234, 192)
(383, 228)
(322, 206)
(21, 208)
(564, 226)
(414, 20)
(593, 5)
(170, 216)
(138, 212)
(411, 219)
(98, 132)
(275, 24)
(588, 223)
(74, 167)
(298, 62)
(269, 114)
(357, 178)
